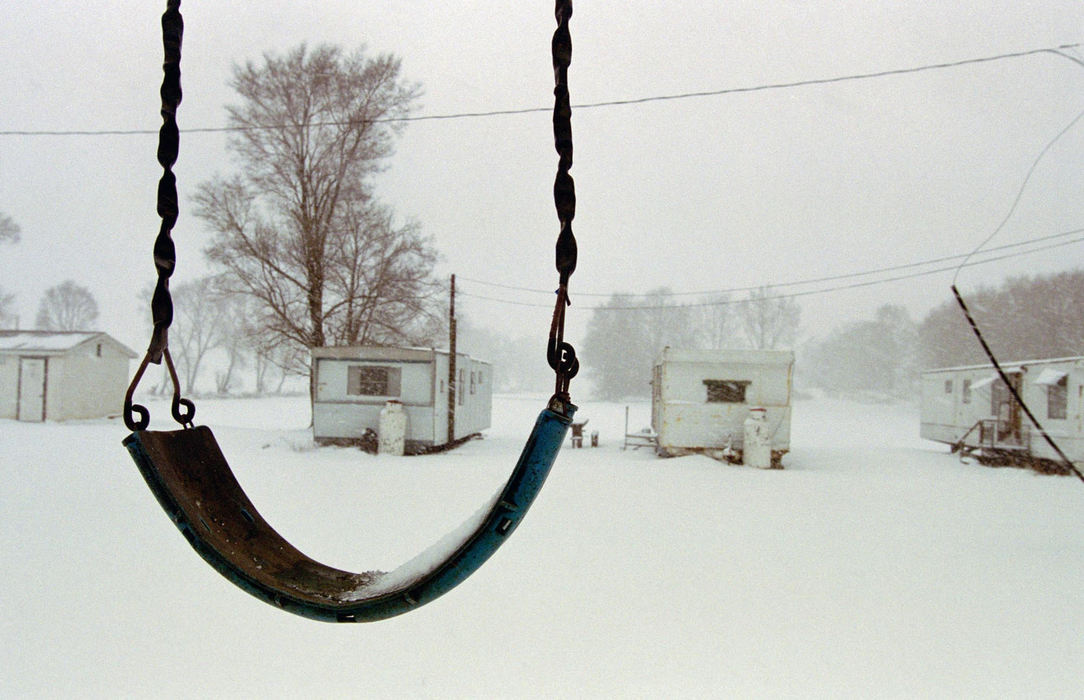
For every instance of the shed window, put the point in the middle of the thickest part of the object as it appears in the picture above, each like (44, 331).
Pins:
(966, 391)
(948, 386)
(726, 390)
(1056, 398)
(373, 381)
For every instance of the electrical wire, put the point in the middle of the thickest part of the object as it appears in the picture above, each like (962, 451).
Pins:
(588, 105)
(1019, 192)
(810, 292)
(795, 283)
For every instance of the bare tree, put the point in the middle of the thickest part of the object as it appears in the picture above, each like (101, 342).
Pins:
(198, 328)
(769, 321)
(1024, 318)
(233, 336)
(298, 230)
(382, 285)
(717, 323)
(878, 355)
(9, 230)
(625, 336)
(67, 307)
(9, 233)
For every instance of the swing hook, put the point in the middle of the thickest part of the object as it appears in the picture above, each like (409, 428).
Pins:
(183, 410)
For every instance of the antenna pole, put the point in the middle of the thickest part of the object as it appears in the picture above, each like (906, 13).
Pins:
(451, 364)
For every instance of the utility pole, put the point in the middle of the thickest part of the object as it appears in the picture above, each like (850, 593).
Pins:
(451, 364)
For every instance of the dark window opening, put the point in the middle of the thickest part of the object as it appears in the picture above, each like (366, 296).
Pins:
(726, 390)
(948, 386)
(373, 381)
(1057, 399)
(967, 391)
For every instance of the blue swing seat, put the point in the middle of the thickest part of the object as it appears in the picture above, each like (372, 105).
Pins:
(188, 474)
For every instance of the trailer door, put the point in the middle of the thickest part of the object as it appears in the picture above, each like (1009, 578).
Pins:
(1006, 409)
(31, 389)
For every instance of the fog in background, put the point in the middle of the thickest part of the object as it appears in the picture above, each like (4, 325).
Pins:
(720, 192)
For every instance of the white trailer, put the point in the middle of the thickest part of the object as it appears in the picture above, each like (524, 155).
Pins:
(353, 384)
(61, 375)
(972, 410)
(700, 400)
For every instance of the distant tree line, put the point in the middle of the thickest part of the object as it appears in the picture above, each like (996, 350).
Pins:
(1025, 318)
(873, 357)
(628, 331)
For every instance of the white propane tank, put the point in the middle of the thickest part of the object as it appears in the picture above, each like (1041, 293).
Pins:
(757, 444)
(391, 435)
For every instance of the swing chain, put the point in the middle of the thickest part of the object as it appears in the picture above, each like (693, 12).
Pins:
(561, 355)
(165, 254)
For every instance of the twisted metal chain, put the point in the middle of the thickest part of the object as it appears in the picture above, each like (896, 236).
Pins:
(561, 355)
(165, 255)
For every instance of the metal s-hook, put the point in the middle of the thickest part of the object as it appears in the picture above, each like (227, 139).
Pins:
(144, 419)
(183, 410)
(183, 417)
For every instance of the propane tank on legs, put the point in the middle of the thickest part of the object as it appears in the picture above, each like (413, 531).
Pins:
(391, 435)
(757, 443)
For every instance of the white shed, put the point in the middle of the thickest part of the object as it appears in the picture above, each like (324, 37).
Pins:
(52, 375)
(700, 400)
(972, 409)
(353, 384)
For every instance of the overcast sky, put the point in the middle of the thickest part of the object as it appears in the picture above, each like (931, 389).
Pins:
(733, 190)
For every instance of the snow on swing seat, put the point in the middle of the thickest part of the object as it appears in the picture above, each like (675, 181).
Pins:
(190, 478)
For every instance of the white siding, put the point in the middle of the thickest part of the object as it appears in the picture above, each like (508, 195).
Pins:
(83, 384)
(947, 417)
(423, 392)
(9, 386)
(86, 379)
(685, 419)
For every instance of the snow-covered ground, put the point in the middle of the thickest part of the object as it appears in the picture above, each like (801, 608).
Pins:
(874, 565)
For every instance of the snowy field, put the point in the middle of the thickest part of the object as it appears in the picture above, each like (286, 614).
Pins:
(874, 565)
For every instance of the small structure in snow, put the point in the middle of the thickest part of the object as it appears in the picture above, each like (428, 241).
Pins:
(972, 410)
(61, 375)
(700, 400)
(353, 385)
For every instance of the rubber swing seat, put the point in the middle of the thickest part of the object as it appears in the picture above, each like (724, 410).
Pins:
(188, 474)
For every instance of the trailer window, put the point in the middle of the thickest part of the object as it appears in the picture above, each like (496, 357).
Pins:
(726, 390)
(1056, 399)
(362, 380)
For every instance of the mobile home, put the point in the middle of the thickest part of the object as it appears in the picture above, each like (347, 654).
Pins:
(61, 375)
(972, 410)
(353, 384)
(700, 400)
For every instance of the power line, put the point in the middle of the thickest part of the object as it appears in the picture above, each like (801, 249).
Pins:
(809, 292)
(1020, 192)
(588, 105)
(796, 283)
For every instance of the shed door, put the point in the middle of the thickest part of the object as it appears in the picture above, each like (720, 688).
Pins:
(32, 389)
